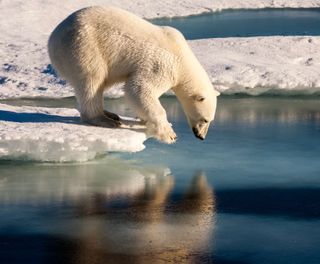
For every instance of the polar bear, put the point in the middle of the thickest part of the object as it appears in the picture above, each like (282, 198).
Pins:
(97, 47)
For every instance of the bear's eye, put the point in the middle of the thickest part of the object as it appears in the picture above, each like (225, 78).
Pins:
(205, 121)
(200, 98)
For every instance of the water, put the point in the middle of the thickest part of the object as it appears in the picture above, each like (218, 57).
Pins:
(249, 193)
(247, 23)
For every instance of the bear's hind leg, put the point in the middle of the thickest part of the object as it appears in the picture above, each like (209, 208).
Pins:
(90, 102)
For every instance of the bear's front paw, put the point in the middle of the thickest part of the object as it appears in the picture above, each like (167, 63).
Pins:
(163, 133)
(168, 136)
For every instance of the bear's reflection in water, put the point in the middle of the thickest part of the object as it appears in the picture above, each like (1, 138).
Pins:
(150, 228)
(133, 216)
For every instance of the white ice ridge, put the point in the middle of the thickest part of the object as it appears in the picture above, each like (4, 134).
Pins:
(288, 65)
(57, 134)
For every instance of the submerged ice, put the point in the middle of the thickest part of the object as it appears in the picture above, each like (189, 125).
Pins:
(67, 183)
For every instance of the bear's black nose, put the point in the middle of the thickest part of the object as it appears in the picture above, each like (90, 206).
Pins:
(196, 133)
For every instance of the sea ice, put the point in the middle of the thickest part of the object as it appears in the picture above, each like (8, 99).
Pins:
(280, 65)
(57, 134)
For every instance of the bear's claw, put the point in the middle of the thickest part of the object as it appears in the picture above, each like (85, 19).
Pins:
(166, 134)
(104, 121)
(111, 115)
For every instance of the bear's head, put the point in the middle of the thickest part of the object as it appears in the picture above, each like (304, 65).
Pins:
(199, 107)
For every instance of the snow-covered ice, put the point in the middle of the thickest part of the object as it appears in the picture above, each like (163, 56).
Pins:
(287, 65)
(57, 134)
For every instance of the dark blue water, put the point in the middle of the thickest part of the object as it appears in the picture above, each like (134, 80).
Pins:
(247, 23)
(249, 193)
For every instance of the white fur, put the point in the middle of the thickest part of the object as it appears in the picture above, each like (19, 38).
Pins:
(97, 47)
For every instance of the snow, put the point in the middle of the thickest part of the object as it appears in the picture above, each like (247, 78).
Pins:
(254, 66)
(57, 134)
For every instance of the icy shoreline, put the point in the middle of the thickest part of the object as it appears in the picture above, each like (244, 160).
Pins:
(57, 134)
(40, 17)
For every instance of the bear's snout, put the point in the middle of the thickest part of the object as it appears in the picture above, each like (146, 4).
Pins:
(197, 134)
(200, 129)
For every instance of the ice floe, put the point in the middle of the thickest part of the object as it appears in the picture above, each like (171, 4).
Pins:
(279, 65)
(57, 134)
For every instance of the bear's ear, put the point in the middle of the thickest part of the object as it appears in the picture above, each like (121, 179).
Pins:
(215, 92)
(198, 98)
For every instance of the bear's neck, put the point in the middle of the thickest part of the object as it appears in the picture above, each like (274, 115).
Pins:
(193, 79)
(183, 89)
(191, 75)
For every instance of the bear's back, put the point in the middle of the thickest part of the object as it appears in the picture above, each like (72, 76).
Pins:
(101, 22)
(108, 20)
